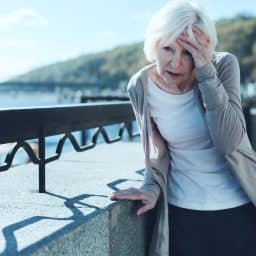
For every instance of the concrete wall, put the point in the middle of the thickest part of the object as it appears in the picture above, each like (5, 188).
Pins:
(113, 232)
(75, 216)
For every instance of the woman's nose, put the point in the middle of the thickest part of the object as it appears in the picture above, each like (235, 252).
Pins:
(176, 59)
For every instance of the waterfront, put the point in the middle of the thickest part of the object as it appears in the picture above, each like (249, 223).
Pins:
(17, 100)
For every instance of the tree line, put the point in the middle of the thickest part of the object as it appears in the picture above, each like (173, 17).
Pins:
(109, 68)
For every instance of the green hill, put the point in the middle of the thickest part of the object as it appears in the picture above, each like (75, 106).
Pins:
(236, 35)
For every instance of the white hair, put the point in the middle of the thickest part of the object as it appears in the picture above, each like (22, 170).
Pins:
(174, 18)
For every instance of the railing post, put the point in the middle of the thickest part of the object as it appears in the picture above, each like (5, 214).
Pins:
(83, 132)
(83, 137)
(130, 130)
(41, 162)
(48, 121)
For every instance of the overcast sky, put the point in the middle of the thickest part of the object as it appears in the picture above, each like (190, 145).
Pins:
(38, 32)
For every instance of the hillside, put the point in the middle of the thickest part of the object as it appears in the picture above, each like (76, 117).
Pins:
(236, 35)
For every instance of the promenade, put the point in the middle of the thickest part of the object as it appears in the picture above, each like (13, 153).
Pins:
(75, 215)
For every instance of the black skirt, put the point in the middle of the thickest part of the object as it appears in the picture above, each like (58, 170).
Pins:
(213, 233)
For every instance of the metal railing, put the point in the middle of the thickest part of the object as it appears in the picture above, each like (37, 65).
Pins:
(87, 99)
(21, 124)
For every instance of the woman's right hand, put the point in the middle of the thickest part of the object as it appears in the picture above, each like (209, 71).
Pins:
(148, 198)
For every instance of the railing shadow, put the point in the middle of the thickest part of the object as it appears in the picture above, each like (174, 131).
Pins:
(77, 219)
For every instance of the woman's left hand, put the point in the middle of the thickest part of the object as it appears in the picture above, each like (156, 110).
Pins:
(199, 49)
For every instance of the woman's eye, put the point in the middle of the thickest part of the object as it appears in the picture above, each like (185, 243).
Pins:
(168, 48)
(187, 53)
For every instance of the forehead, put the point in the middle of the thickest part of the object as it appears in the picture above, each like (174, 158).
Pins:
(168, 42)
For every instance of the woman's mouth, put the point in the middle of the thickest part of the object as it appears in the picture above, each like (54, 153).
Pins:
(173, 74)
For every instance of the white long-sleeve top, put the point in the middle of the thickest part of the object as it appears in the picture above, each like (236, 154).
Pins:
(199, 177)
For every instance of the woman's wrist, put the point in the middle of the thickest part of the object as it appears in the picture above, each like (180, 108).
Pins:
(154, 188)
(207, 71)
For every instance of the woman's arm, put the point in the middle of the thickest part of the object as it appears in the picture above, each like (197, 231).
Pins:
(220, 91)
(148, 182)
(222, 100)
(149, 192)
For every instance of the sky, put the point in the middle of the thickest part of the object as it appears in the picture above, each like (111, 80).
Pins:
(35, 33)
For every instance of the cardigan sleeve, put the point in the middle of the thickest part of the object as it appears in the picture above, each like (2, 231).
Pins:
(222, 100)
(149, 183)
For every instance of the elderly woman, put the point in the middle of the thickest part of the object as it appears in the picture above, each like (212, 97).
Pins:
(200, 167)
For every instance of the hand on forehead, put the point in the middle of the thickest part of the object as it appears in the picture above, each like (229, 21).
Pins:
(197, 37)
(197, 33)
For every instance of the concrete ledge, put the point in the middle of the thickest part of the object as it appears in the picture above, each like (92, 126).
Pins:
(130, 233)
(75, 216)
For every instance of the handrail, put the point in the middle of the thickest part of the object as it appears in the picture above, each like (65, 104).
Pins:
(21, 124)
(98, 98)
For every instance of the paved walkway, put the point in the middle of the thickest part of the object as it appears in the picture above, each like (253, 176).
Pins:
(78, 186)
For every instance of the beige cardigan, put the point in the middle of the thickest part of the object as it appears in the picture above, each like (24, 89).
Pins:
(217, 93)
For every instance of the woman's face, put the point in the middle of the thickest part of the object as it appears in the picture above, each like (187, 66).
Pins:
(174, 64)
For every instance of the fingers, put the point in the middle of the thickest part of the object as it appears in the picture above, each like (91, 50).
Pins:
(187, 45)
(200, 36)
(184, 40)
(135, 194)
(202, 41)
(199, 32)
(127, 194)
(144, 209)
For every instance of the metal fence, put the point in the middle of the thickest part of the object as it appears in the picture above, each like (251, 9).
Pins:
(87, 99)
(22, 124)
